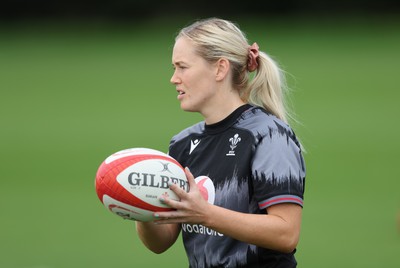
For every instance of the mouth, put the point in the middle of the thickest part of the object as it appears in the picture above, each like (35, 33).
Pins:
(181, 94)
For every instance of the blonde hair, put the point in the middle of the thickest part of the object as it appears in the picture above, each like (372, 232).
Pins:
(217, 38)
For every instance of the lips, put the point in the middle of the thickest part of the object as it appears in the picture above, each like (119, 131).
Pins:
(181, 93)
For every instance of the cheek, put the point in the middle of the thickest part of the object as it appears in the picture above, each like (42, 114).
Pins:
(199, 84)
(202, 83)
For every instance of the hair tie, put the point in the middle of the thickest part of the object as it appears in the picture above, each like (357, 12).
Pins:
(252, 63)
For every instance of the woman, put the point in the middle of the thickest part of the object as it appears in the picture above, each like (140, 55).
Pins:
(247, 213)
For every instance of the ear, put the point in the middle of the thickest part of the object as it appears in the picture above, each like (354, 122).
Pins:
(223, 66)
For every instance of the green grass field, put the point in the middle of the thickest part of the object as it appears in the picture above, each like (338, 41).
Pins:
(70, 96)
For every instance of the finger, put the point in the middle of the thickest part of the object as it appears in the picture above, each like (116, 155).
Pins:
(189, 175)
(191, 179)
(159, 216)
(177, 190)
(181, 191)
(170, 202)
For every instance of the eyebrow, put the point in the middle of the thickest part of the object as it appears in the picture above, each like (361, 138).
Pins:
(177, 63)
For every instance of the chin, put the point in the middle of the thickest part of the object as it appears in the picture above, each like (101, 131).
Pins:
(187, 108)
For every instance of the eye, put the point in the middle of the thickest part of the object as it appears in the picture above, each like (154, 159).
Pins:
(179, 67)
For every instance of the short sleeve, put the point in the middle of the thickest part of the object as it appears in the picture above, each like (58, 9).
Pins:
(278, 168)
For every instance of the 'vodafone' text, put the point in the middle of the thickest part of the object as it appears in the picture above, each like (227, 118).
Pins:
(199, 229)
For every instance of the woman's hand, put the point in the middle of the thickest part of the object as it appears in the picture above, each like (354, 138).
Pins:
(192, 207)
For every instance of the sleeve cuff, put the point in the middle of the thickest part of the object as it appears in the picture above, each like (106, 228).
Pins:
(279, 200)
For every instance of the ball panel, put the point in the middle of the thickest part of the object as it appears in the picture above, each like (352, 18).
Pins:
(126, 211)
(134, 152)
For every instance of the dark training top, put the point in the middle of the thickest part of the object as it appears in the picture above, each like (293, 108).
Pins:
(254, 161)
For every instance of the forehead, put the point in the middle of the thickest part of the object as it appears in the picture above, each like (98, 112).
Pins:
(184, 50)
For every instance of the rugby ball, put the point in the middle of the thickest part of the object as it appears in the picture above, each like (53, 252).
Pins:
(130, 182)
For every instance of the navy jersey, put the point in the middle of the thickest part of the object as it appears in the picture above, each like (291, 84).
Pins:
(254, 161)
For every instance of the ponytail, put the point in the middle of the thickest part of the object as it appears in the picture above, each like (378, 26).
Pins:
(268, 87)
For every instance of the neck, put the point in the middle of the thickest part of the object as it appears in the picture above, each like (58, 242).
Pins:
(215, 114)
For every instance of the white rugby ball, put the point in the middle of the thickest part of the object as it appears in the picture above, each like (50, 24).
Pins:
(130, 182)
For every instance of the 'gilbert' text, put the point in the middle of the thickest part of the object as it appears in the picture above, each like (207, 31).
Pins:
(155, 180)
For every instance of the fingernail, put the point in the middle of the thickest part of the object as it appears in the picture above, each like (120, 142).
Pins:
(162, 200)
(187, 168)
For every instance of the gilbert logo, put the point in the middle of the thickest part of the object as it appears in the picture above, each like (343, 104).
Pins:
(234, 141)
(193, 145)
(165, 167)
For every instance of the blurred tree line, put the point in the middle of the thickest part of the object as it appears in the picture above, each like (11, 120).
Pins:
(137, 9)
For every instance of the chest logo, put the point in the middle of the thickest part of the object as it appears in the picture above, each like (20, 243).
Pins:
(193, 145)
(234, 142)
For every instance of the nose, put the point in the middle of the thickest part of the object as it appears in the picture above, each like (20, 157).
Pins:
(174, 79)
